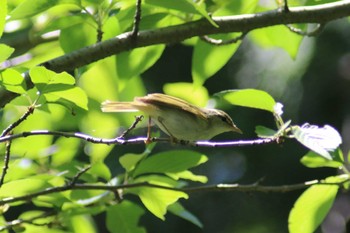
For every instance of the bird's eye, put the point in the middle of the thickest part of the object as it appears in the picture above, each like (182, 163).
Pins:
(223, 118)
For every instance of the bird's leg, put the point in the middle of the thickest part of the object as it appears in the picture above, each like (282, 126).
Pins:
(149, 140)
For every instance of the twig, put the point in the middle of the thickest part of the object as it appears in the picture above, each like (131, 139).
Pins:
(137, 20)
(19, 121)
(11, 224)
(78, 175)
(6, 162)
(223, 42)
(317, 30)
(137, 120)
(219, 187)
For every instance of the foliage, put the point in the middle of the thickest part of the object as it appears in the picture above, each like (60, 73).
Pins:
(66, 182)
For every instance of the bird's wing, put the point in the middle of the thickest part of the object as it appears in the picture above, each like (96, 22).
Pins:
(162, 99)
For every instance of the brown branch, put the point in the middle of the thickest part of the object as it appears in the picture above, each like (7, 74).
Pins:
(214, 188)
(319, 14)
(137, 20)
(173, 34)
(6, 162)
(19, 121)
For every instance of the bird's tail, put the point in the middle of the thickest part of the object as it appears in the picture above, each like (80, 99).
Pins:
(114, 106)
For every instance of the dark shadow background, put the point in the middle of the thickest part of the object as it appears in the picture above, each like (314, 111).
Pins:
(318, 94)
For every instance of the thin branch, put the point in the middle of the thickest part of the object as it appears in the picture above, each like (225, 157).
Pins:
(137, 20)
(215, 188)
(78, 175)
(138, 140)
(137, 120)
(6, 162)
(19, 121)
(223, 42)
(12, 224)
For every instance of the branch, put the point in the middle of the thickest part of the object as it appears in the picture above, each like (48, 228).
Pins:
(319, 14)
(139, 140)
(219, 187)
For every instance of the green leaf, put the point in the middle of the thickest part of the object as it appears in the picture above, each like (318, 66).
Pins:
(74, 95)
(58, 87)
(82, 223)
(170, 162)
(30, 8)
(129, 161)
(77, 36)
(178, 210)
(100, 170)
(13, 81)
(5, 52)
(264, 132)
(251, 98)
(135, 62)
(188, 175)
(186, 6)
(312, 207)
(314, 160)
(23, 187)
(3, 13)
(321, 140)
(64, 22)
(208, 59)
(187, 91)
(157, 200)
(271, 37)
(42, 78)
(124, 218)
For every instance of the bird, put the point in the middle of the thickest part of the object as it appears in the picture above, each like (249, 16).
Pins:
(176, 117)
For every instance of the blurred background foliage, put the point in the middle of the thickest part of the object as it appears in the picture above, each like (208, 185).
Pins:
(309, 75)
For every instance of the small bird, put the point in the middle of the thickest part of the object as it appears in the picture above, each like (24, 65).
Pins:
(176, 117)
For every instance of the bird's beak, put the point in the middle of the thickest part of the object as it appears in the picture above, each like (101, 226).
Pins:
(236, 129)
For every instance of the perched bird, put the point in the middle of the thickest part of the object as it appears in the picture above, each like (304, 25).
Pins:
(176, 117)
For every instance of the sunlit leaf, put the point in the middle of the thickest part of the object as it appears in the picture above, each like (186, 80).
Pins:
(271, 37)
(29, 8)
(157, 200)
(13, 81)
(82, 223)
(313, 160)
(77, 36)
(129, 161)
(74, 95)
(187, 6)
(64, 22)
(180, 211)
(124, 217)
(5, 52)
(321, 140)
(170, 162)
(3, 13)
(135, 62)
(187, 91)
(251, 98)
(208, 59)
(23, 187)
(312, 207)
(188, 175)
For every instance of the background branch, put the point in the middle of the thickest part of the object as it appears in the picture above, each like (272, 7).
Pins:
(213, 188)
